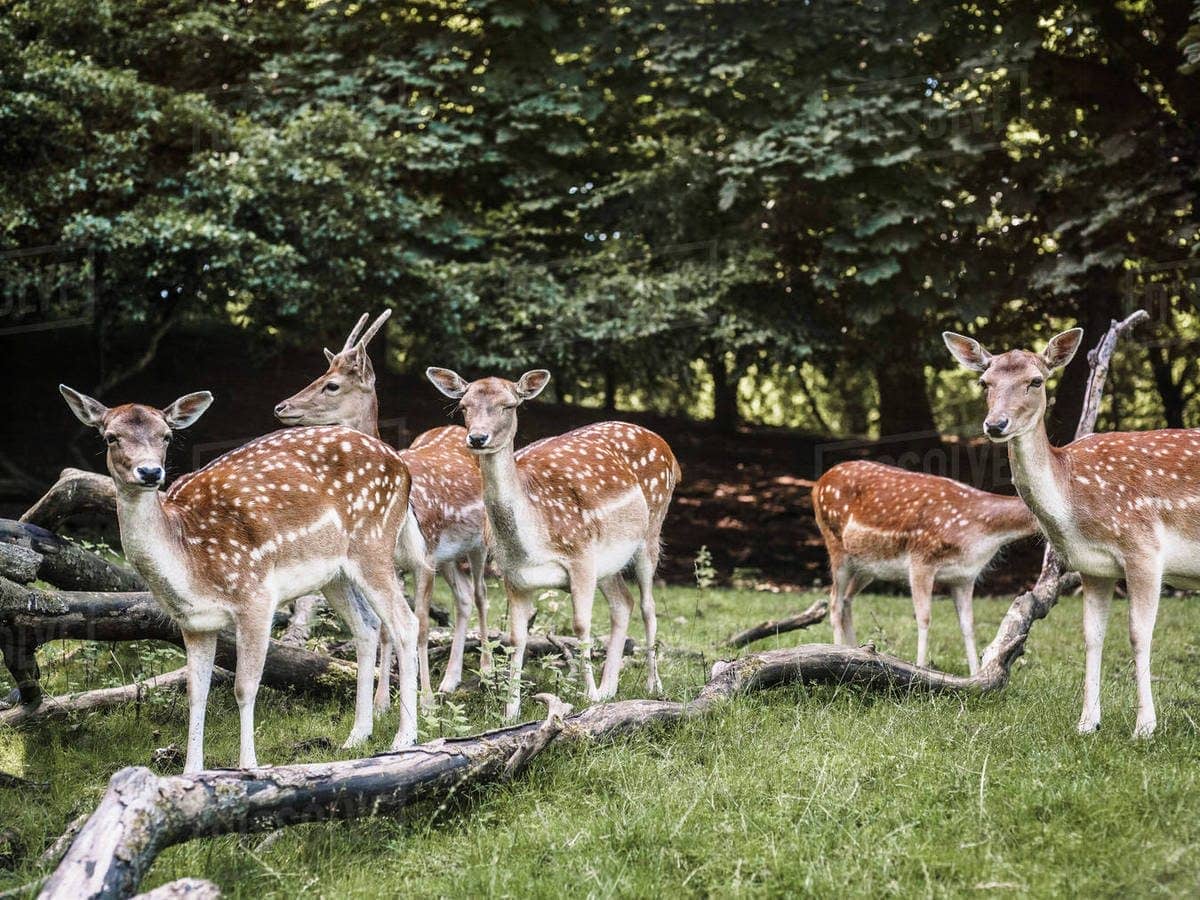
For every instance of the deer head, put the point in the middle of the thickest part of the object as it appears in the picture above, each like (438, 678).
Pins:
(345, 394)
(489, 405)
(137, 435)
(1015, 381)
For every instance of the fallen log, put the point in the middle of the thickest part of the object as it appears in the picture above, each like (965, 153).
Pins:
(66, 565)
(814, 615)
(18, 563)
(75, 492)
(142, 814)
(101, 698)
(30, 617)
(300, 622)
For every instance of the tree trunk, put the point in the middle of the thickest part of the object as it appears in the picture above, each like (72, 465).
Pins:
(725, 393)
(904, 408)
(610, 386)
(1169, 390)
(1068, 395)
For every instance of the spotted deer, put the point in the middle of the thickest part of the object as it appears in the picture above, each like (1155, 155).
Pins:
(1118, 505)
(571, 511)
(446, 518)
(882, 522)
(296, 511)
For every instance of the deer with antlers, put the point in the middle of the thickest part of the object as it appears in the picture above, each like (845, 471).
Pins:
(445, 525)
(882, 522)
(1117, 505)
(571, 511)
(296, 511)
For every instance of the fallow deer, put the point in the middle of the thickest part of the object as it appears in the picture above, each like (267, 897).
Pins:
(445, 524)
(1116, 505)
(293, 512)
(571, 511)
(882, 522)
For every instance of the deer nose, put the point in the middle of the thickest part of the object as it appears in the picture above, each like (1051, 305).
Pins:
(281, 408)
(478, 441)
(996, 427)
(150, 474)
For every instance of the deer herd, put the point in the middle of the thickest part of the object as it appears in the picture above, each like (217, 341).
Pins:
(325, 505)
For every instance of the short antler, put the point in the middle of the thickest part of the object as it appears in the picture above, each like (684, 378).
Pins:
(353, 337)
(375, 326)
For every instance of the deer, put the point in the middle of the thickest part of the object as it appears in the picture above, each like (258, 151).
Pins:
(883, 522)
(290, 513)
(445, 524)
(1113, 505)
(571, 511)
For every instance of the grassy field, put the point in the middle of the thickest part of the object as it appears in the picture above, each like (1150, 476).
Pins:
(810, 791)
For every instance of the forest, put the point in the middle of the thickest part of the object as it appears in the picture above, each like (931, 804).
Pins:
(712, 254)
(752, 211)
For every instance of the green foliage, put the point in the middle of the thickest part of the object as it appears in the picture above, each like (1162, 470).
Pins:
(619, 193)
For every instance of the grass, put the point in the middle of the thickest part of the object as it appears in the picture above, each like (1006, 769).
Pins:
(821, 791)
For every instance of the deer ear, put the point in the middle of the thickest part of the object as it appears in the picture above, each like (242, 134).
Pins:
(1062, 347)
(329, 355)
(88, 411)
(448, 382)
(187, 409)
(532, 383)
(968, 351)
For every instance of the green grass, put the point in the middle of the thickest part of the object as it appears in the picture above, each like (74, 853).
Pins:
(819, 791)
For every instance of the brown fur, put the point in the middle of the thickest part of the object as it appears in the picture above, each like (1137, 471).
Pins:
(884, 522)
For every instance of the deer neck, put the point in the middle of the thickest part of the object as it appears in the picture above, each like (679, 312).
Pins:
(512, 515)
(367, 420)
(1011, 516)
(151, 539)
(1043, 481)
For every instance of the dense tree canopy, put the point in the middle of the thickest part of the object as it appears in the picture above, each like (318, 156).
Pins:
(663, 202)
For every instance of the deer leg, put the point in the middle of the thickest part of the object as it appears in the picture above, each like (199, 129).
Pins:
(964, 595)
(583, 594)
(1145, 587)
(520, 611)
(201, 647)
(1097, 603)
(423, 578)
(846, 586)
(644, 566)
(920, 579)
(364, 629)
(478, 560)
(620, 606)
(382, 588)
(253, 634)
(460, 586)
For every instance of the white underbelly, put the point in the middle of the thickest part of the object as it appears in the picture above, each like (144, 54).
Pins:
(890, 569)
(615, 556)
(533, 576)
(1180, 560)
(1091, 559)
(194, 614)
(297, 579)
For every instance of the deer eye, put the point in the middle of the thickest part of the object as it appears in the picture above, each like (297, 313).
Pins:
(110, 439)
(332, 387)
(1037, 383)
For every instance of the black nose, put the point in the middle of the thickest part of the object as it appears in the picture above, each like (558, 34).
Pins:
(150, 474)
(279, 410)
(477, 440)
(997, 427)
